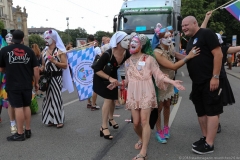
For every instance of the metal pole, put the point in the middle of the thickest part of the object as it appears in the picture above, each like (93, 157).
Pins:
(68, 29)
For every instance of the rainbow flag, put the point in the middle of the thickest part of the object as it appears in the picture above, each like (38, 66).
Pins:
(234, 9)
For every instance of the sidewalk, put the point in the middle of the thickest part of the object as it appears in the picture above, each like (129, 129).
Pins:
(235, 72)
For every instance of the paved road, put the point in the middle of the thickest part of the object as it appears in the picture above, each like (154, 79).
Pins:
(79, 139)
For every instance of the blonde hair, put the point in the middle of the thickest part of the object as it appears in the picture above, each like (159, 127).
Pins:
(36, 50)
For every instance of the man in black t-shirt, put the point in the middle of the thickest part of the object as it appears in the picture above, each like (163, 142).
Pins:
(20, 65)
(205, 73)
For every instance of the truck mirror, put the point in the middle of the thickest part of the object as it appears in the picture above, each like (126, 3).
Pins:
(125, 20)
(114, 27)
(114, 24)
(179, 23)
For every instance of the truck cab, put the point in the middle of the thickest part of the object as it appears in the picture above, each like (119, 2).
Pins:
(141, 16)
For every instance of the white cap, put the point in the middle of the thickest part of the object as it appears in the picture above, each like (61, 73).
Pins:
(219, 38)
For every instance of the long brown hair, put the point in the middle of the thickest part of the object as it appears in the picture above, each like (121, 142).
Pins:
(36, 50)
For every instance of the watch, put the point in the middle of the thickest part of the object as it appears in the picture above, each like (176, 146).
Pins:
(216, 76)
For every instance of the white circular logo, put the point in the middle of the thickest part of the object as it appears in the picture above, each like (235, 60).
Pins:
(84, 73)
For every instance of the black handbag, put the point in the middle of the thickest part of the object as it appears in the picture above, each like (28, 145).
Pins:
(44, 80)
(107, 68)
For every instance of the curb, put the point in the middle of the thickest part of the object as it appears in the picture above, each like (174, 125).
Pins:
(238, 77)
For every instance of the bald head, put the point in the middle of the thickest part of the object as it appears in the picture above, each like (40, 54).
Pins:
(190, 26)
(190, 19)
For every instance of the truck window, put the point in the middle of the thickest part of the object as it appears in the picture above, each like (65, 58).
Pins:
(144, 23)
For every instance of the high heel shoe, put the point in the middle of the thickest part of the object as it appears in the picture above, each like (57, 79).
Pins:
(110, 137)
(115, 126)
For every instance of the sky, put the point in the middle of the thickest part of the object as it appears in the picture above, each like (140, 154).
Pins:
(92, 15)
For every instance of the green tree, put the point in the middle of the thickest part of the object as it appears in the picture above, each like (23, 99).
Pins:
(221, 19)
(76, 33)
(99, 34)
(36, 39)
(64, 37)
(1, 25)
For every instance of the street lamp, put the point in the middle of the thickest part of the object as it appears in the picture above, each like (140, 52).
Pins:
(68, 29)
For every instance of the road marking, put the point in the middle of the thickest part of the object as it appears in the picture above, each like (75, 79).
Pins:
(66, 104)
(174, 111)
(182, 74)
(73, 101)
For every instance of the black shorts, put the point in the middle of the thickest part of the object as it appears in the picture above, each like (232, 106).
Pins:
(19, 98)
(207, 102)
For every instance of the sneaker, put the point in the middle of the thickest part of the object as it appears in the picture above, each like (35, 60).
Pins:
(166, 132)
(28, 133)
(203, 149)
(219, 128)
(199, 142)
(13, 129)
(160, 137)
(16, 137)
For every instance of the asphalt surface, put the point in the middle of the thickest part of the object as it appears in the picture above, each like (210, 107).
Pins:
(79, 138)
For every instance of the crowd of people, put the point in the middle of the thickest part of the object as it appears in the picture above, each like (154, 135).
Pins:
(148, 72)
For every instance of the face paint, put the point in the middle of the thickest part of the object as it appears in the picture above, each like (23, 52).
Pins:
(125, 42)
(135, 45)
(47, 38)
(167, 40)
(8, 38)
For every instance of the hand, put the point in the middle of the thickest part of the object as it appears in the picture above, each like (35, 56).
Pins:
(51, 59)
(177, 84)
(208, 14)
(111, 86)
(113, 81)
(36, 87)
(194, 52)
(214, 83)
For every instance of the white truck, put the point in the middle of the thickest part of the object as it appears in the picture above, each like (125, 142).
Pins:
(141, 16)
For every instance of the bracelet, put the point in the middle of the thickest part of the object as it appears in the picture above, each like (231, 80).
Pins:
(185, 59)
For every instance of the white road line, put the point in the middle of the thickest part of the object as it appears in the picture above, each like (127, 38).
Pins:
(174, 111)
(182, 74)
(73, 101)
(66, 104)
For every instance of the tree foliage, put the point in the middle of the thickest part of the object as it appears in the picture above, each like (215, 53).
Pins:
(76, 33)
(34, 38)
(1, 25)
(99, 34)
(221, 19)
(64, 37)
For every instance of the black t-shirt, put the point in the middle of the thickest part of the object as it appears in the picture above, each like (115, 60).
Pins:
(18, 61)
(200, 68)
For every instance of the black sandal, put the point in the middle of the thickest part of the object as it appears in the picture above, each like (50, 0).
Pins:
(115, 126)
(110, 137)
